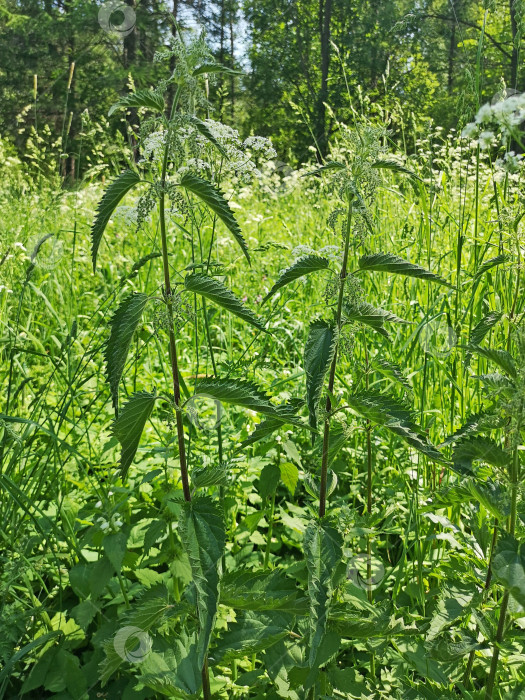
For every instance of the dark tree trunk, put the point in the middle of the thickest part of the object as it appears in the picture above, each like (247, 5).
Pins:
(174, 13)
(325, 16)
(451, 52)
(232, 57)
(130, 57)
(514, 58)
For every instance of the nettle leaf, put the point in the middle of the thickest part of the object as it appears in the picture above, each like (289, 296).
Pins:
(492, 496)
(214, 199)
(123, 325)
(455, 600)
(246, 394)
(128, 427)
(216, 475)
(173, 672)
(318, 354)
(323, 549)
(391, 370)
(214, 290)
(331, 165)
(107, 205)
(500, 357)
(394, 415)
(215, 68)
(251, 633)
(483, 327)
(270, 425)
(300, 268)
(476, 423)
(480, 449)
(261, 590)
(203, 129)
(365, 313)
(289, 476)
(312, 483)
(395, 167)
(489, 264)
(372, 622)
(142, 98)
(386, 262)
(497, 383)
(508, 566)
(202, 532)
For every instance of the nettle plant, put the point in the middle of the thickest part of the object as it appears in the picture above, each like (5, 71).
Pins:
(184, 160)
(331, 338)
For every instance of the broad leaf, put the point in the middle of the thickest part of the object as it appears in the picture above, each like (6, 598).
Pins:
(500, 357)
(395, 167)
(489, 494)
(214, 290)
(318, 354)
(480, 449)
(489, 264)
(261, 590)
(142, 98)
(508, 566)
(216, 475)
(387, 262)
(215, 68)
(203, 129)
(323, 549)
(476, 423)
(214, 199)
(300, 268)
(483, 327)
(107, 205)
(123, 325)
(365, 313)
(173, 672)
(202, 532)
(455, 600)
(391, 370)
(128, 427)
(270, 425)
(251, 633)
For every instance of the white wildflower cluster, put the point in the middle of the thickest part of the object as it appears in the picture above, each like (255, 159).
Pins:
(153, 145)
(495, 124)
(511, 162)
(113, 522)
(260, 145)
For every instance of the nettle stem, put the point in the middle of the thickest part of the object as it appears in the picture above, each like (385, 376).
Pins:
(331, 379)
(206, 691)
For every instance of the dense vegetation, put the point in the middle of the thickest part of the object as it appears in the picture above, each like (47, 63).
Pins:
(261, 432)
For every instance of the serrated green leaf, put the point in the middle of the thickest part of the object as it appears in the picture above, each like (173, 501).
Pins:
(142, 98)
(174, 672)
(323, 549)
(387, 262)
(480, 449)
(500, 357)
(270, 425)
(214, 199)
(216, 475)
(123, 325)
(215, 68)
(214, 290)
(269, 480)
(128, 427)
(492, 496)
(476, 423)
(454, 601)
(331, 165)
(261, 590)
(508, 566)
(318, 354)
(107, 205)
(312, 483)
(300, 268)
(203, 129)
(202, 532)
(489, 264)
(481, 329)
(368, 315)
(391, 370)
(251, 633)
(395, 167)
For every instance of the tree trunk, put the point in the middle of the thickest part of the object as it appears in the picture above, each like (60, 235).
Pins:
(232, 57)
(325, 16)
(173, 28)
(130, 57)
(515, 51)
(451, 51)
